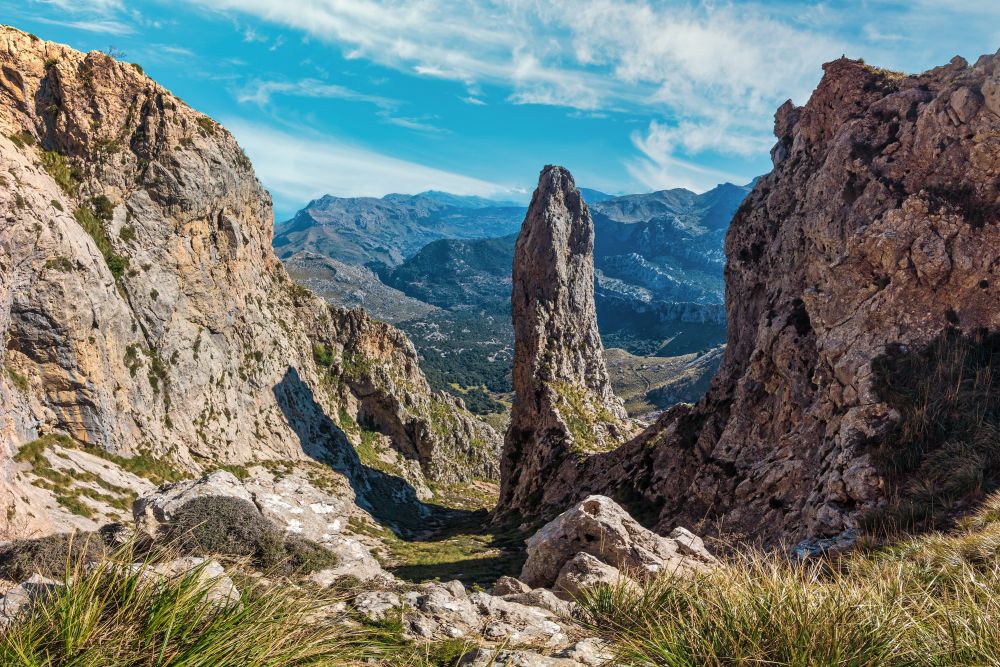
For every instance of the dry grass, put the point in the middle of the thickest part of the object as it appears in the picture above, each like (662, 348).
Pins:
(932, 600)
(111, 614)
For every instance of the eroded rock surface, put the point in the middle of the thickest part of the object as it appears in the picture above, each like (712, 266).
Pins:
(598, 527)
(876, 232)
(565, 407)
(144, 312)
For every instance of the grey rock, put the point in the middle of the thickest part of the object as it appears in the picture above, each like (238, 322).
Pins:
(484, 657)
(592, 652)
(19, 599)
(600, 528)
(376, 605)
(509, 586)
(583, 572)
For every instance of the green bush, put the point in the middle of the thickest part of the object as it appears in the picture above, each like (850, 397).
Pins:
(64, 174)
(103, 208)
(90, 222)
(22, 139)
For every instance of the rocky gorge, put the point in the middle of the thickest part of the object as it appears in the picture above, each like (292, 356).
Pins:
(177, 412)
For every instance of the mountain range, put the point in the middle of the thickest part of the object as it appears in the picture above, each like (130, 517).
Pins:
(658, 280)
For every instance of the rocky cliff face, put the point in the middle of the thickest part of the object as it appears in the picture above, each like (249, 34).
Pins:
(564, 407)
(142, 308)
(876, 232)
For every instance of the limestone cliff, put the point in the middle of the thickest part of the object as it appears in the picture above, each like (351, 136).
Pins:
(142, 309)
(565, 407)
(876, 232)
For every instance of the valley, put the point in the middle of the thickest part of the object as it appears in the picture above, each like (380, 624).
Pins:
(752, 426)
(658, 284)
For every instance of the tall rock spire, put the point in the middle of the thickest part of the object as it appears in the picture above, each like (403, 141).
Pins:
(564, 405)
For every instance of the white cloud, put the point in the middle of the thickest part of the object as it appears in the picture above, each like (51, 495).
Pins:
(260, 92)
(106, 26)
(300, 167)
(712, 72)
(475, 101)
(659, 165)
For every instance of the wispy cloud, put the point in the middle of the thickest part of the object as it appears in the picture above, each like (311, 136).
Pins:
(106, 26)
(260, 92)
(712, 73)
(303, 166)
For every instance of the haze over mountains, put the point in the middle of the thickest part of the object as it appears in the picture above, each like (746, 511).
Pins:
(439, 267)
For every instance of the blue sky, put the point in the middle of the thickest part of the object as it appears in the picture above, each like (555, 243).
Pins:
(365, 97)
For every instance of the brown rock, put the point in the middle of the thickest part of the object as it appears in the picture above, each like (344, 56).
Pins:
(565, 407)
(877, 228)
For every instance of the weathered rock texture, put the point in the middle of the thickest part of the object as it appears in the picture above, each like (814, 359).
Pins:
(142, 309)
(877, 228)
(597, 526)
(565, 407)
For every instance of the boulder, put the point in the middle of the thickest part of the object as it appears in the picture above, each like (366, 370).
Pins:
(376, 605)
(583, 571)
(222, 591)
(592, 652)
(19, 599)
(600, 527)
(353, 560)
(509, 586)
(544, 599)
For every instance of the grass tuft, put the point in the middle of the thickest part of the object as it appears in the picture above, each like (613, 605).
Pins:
(944, 453)
(933, 600)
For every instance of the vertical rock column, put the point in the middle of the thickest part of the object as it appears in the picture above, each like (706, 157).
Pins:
(564, 406)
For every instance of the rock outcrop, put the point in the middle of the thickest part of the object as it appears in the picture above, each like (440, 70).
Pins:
(875, 234)
(600, 528)
(564, 405)
(143, 310)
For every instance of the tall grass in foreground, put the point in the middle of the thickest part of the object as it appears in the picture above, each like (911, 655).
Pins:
(112, 615)
(933, 600)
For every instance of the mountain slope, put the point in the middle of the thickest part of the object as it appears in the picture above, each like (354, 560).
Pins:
(366, 230)
(144, 313)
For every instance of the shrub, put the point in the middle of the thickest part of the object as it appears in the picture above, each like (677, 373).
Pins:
(206, 125)
(234, 527)
(57, 205)
(50, 556)
(59, 263)
(103, 208)
(64, 174)
(127, 233)
(323, 355)
(88, 219)
(22, 139)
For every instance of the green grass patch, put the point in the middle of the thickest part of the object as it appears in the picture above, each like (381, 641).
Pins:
(22, 139)
(90, 222)
(582, 416)
(20, 382)
(65, 174)
(928, 601)
(466, 548)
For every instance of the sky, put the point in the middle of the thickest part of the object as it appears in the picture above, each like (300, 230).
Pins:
(367, 97)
